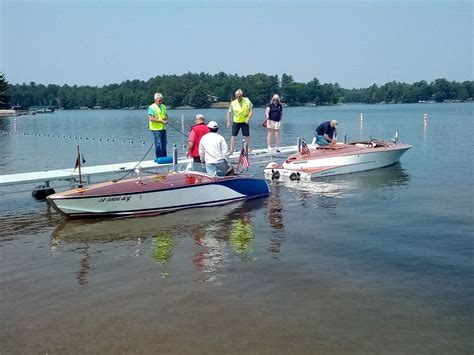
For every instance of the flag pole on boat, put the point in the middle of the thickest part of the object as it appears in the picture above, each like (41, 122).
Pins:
(78, 165)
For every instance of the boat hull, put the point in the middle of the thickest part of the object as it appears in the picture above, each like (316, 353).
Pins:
(164, 194)
(345, 159)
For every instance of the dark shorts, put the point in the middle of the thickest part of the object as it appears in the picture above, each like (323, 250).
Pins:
(237, 126)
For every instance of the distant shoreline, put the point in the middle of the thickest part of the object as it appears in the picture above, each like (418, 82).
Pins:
(224, 105)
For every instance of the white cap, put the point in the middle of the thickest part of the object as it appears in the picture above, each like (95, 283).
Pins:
(199, 116)
(334, 123)
(212, 124)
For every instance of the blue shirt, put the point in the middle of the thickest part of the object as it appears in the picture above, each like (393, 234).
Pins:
(275, 111)
(325, 127)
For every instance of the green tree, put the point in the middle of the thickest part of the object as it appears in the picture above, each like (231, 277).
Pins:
(441, 90)
(4, 96)
(197, 97)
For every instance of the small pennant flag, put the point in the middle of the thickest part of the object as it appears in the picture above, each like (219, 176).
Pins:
(304, 148)
(244, 159)
(78, 161)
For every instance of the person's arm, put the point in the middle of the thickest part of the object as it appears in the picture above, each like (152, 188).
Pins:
(330, 140)
(201, 152)
(326, 134)
(165, 119)
(192, 138)
(267, 112)
(224, 147)
(151, 114)
(250, 114)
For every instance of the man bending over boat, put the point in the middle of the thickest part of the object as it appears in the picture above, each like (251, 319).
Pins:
(212, 150)
(326, 133)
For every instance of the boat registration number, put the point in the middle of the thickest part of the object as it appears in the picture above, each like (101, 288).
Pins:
(115, 198)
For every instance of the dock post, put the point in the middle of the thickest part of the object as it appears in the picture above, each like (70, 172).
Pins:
(298, 144)
(345, 138)
(175, 155)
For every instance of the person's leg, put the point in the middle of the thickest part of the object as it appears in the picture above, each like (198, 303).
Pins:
(164, 142)
(321, 141)
(198, 165)
(235, 132)
(211, 169)
(269, 138)
(246, 134)
(277, 138)
(221, 168)
(232, 145)
(157, 141)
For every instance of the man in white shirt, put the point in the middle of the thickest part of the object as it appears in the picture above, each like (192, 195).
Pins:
(212, 150)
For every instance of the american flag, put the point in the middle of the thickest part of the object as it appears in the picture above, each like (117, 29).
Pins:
(304, 148)
(244, 159)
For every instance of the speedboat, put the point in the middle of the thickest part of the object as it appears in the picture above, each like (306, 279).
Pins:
(157, 193)
(335, 159)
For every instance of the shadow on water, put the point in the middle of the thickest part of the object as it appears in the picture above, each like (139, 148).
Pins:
(21, 215)
(218, 233)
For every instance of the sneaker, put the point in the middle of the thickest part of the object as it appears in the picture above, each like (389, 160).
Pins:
(277, 149)
(269, 149)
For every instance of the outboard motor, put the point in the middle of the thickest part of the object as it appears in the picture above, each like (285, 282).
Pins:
(42, 191)
(275, 174)
(295, 176)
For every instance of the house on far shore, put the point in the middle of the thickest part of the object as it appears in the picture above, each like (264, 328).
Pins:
(41, 109)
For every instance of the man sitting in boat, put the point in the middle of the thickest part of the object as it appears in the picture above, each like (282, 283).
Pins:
(326, 133)
(212, 150)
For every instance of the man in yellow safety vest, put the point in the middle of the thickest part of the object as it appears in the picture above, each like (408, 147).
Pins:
(242, 109)
(158, 118)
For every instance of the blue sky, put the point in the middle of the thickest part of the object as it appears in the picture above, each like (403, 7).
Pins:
(353, 43)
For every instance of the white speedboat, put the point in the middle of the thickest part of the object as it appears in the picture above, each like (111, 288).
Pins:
(337, 159)
(157, 193)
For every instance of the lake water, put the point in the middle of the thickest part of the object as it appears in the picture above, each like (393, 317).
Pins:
(374, 262)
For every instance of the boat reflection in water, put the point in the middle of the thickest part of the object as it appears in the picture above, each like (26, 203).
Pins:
(330, 189)
(218, 234)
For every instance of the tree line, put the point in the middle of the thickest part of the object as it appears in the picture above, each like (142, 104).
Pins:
(203, 90)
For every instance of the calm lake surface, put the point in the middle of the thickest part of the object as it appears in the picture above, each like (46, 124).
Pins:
(374, 262)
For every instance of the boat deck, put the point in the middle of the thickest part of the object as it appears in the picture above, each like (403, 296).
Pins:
(340, 149)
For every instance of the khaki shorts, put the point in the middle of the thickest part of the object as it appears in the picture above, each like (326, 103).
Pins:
(273, 124)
